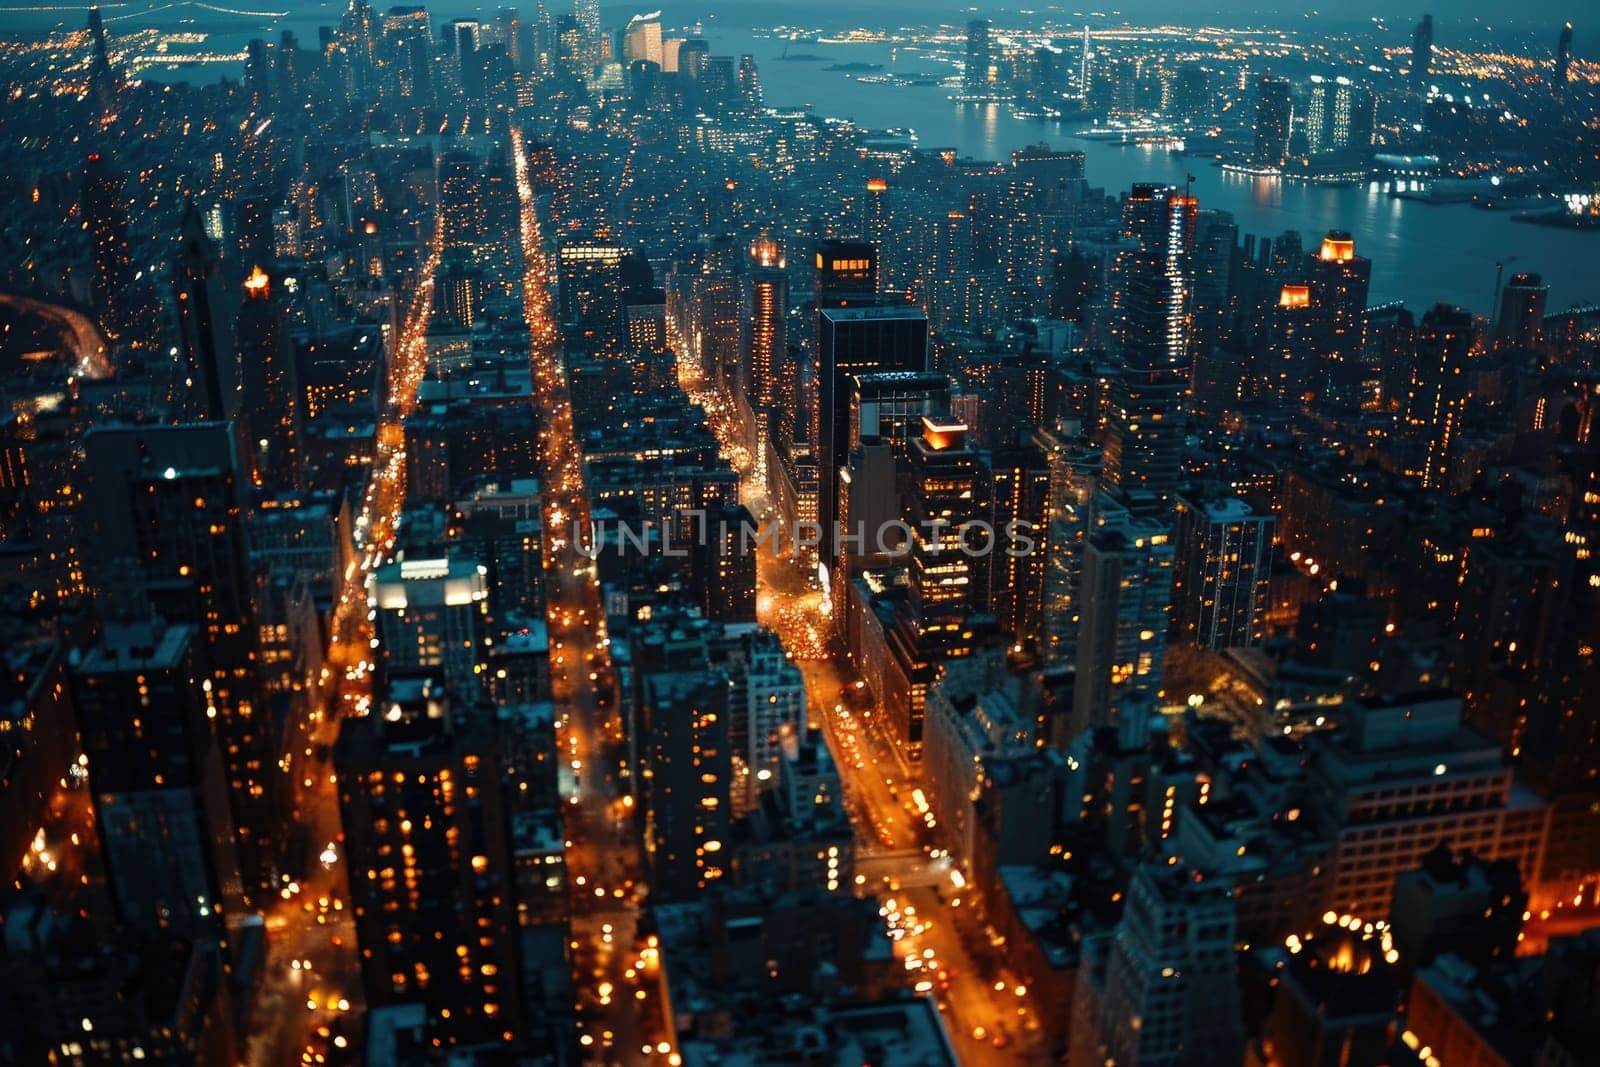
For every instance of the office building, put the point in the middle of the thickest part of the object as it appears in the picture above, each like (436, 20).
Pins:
(166, 530)
(1171, 995)
(851, 341)
(426, 845)
(157, 778)
(1403, 775)
(1125, 605)
(210, 361)
(1436, 398)
(686, 759)
(1520, 324)
(269, 411)
(1144, 435)
(1224, 560)
(979, 74)
(431, 615)
(846, 271)
(1274, 116)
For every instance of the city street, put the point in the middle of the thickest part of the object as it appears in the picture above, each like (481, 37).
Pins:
(311, 975)
(988, 1014)
(616, 974)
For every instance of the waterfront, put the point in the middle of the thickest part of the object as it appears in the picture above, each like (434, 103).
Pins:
(1421, 253)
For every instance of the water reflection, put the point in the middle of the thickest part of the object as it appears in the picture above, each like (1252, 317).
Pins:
(1421, 252)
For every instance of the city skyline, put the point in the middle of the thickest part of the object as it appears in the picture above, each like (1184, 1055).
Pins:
(520, 543)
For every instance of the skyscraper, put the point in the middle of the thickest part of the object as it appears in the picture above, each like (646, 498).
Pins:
(105, 82)
(587, 13)
(949, 573)
(851, 341)
(1171, 993)
(166, 527)
(1145, 429)
(845, 271)
(1563, 67)
(426, 842)
(1437, 397)
(1339, 116)
(1274, 115)
(204, 325)
(270, 408)
(641, 39)
(769, 312)
(1422, 51)
(1337, 282)
(1074, 464)
(1224, 559)
(1521, 321)
(160, 795)
(687, 759)
(1126, 601)
(430, 616)
(977, 80)
(105, 214)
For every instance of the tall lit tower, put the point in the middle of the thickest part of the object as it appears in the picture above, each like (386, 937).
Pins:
(1422, 50)
(1144, 431)
(1558, 78)
(1439, 389)
(587, 13)
(1274, 114)
(1338, 280)
(203, 322)
(769, 309)
(271, 404)
(980, 60)
(105, 213)
(105, 82)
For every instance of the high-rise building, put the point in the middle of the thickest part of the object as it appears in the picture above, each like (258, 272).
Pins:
(1224, 559)
(978, 77)
(1125, 604)
(105, 81)
(846, 271)
(1018, 493)
(160, 792)
(166, 529)
(1563, 67)
(431, 616)
(587, 14)
(851, 341)
(1274, 114)
(204, 324)
(1439, 388)
(1403, 775)
(949, 561)
(1422, 51)
(105, 215)
(1520, 324)
(641, 39)
(769, 313)
(590, 289)
(1339, 116)
(771, 715)
(427, 857)
(270, 400)
(1171, 992)
(1144, 435)
(1337, 283)
(1074, 463)
(686, 755)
